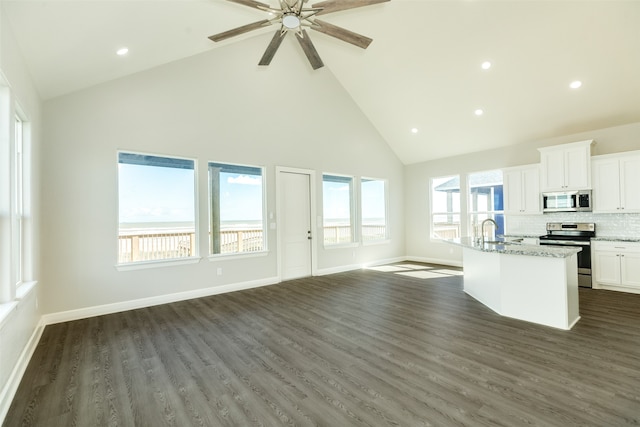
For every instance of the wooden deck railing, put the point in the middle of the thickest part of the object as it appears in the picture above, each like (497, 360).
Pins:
(171, 245)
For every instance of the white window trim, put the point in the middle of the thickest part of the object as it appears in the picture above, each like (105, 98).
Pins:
(168, 262)
(143, 265)
(432, 214)
(387, 229)
(470, 213)
(237, 255)
(265, 229)
(353, 210)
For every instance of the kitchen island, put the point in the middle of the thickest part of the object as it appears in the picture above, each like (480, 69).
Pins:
(538, 284)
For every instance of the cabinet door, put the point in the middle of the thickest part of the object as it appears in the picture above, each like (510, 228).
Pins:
(531, 189)
(512, 184)
(553, 170)
(577, 168)
(606, 185)
(607, 267)
(630, 269)
(629, 181)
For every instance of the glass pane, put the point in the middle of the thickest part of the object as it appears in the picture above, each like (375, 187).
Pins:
(156, 211)
(336, 196)
(374, 222)
(486, 200)
(446, 226)
(445, 207)
(237, 206)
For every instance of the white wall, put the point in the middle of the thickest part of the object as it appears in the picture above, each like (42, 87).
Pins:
(215, 106)
(19, 313)
(417, 176)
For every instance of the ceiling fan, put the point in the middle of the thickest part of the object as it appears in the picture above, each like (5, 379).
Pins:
(294, 17)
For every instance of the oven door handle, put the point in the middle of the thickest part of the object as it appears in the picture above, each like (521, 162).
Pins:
(565, 242)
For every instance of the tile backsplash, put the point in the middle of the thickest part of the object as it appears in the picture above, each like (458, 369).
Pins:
(607, 225)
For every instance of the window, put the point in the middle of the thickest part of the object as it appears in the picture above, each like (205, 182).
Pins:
(237, 222)
(18, 205)
(337, 196)
(156, 197)
(485, 200)
(445, 207)
(374, 209)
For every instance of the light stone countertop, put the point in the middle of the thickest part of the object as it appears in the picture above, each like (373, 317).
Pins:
(520, 236)
(515, 248)
(616, 239)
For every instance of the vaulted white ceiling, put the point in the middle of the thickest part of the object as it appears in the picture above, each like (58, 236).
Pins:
(423, 69)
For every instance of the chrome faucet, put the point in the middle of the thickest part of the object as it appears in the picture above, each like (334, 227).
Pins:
(482, 227)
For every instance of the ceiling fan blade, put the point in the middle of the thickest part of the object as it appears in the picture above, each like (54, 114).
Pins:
(273, 47)
(309, 50)
(331, 6)
(252, 3)
(342, 34)
(240, 30)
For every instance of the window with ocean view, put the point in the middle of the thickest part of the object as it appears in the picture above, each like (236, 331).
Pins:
(337, 207)
(374, 209)
(445, 207)
(156, 205)
(237, 209)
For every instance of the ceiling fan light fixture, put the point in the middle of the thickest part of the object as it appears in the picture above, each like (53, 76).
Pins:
(291, 21)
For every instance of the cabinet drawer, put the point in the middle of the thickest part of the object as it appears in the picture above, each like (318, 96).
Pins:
(616, 246)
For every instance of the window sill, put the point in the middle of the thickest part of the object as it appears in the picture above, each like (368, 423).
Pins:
(342, 245)
(24, 289)
(224, 257)
(142, 265)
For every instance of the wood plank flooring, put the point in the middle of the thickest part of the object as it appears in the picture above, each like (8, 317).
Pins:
(363, 348)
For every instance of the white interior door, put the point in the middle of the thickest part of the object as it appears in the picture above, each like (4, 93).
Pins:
(295, 224)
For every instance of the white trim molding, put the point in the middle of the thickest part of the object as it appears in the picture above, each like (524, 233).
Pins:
(83, 313)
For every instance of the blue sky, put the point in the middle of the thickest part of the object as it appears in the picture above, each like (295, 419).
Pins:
(162, 194)
(159, 194)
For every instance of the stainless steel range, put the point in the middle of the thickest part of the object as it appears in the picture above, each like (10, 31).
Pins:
(573, 234)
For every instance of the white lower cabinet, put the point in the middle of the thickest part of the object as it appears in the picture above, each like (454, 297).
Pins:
(616, 266)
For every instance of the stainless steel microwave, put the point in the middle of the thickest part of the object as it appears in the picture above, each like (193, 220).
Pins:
(567, 201)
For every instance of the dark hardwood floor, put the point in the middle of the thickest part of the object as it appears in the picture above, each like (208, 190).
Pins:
(371, 347)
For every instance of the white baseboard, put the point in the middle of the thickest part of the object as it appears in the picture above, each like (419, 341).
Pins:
(448, 262)
(10, 388)
(351, 267)
(100, 310)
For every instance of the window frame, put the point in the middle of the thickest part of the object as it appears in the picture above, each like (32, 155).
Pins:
(386, 236)
(475, 231)
(210, 219)
(453, 213)
(194, 257)
(17, 202)
(353, 221)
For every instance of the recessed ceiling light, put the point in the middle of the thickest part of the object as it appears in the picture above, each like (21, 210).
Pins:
(486, 65)
(122, 51)
(575, 84)
(414, 130)
(478, 112)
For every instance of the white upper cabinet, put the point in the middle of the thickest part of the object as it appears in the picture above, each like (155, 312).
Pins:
(615, 183)
(566, 167)
(522, 190)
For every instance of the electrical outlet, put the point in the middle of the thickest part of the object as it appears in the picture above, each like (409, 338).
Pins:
(219, 271)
